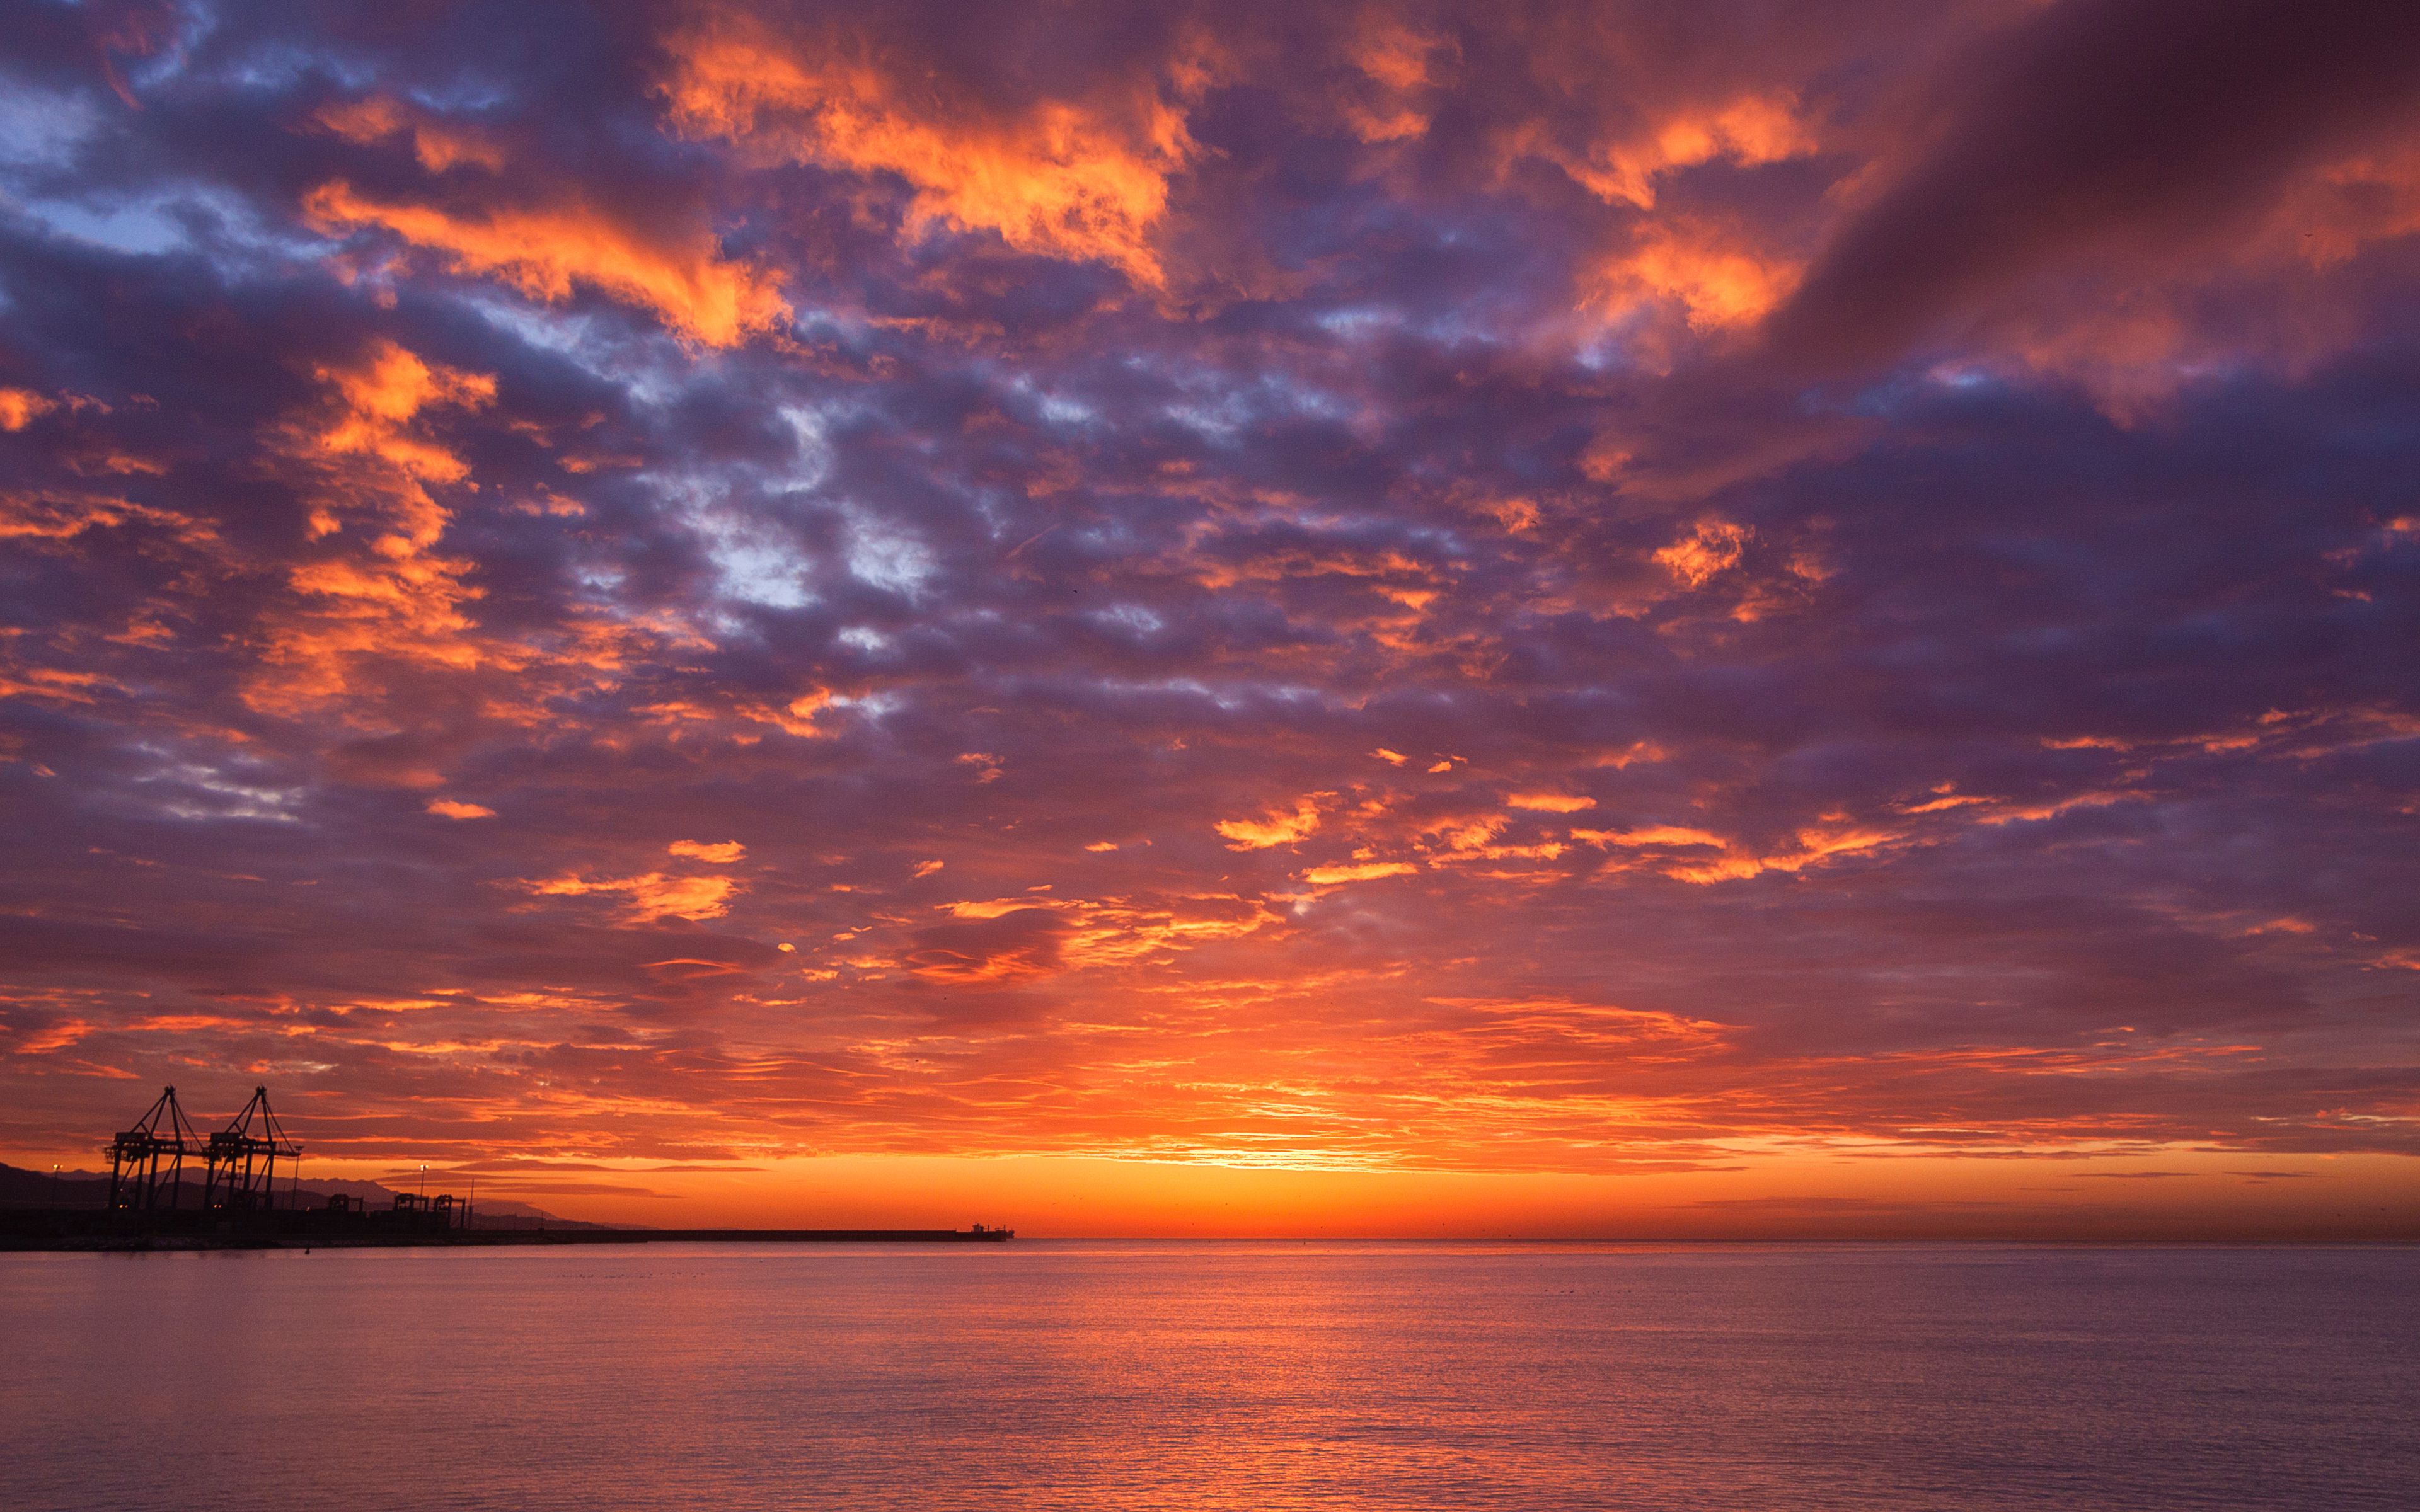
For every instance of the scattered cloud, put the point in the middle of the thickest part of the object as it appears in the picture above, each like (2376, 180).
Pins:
(651, 896)
(1276, 827)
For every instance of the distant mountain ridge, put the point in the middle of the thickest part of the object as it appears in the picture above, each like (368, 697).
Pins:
(22, 1188)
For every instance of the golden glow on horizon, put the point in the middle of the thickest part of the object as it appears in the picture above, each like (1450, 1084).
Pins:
(1848, 1192)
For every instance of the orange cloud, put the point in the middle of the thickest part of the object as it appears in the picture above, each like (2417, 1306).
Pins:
(2331, 215)
(653, 895)
(1814, 845)
(1274, 828)
(1647, 835)
(724, 852)
(1713, 547)
(1084, 181)
(58, 1036)
(51, 684)
(48, 515)
(1108, 932)
(1394, 61)
(796, 717)
(1551, 802)
(1114, 933)
(1955, 800)
(367, 457)
(379, 398)
(1328, 876)
(20, 408)
(1717, 283)
(544, 253)
(1474, 839)
(437, 145)
(452, 809)
(1747, 130)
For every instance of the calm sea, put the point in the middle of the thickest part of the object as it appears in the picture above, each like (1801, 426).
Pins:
(1214, 1375)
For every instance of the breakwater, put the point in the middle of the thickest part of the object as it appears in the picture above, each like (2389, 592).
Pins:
(152, 1204)
(84, 1229)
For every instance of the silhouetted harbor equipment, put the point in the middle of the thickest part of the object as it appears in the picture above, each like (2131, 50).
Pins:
(135, 1156)
(240, 1207)
(242, 1159)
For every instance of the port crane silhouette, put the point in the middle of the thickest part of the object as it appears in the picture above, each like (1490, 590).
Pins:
(241, 1158)
(146, 1163)
(136, 1156)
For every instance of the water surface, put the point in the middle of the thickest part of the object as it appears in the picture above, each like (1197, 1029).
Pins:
(1045, 1375)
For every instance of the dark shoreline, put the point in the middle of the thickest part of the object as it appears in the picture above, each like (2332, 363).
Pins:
(87, 1231)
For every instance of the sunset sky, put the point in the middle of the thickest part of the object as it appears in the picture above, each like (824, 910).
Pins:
(1577, 619)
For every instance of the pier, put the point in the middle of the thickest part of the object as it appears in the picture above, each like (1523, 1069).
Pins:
(236, 1205)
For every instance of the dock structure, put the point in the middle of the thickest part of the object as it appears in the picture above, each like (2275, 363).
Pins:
(241, 1158)
(238, 1207)
(438, 1213)
(137, 1156)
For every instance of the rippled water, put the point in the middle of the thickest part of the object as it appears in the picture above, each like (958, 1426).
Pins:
(1207, 1375)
